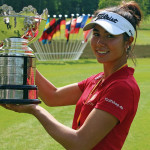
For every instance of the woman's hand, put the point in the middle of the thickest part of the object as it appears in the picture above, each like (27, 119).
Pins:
(21, 108)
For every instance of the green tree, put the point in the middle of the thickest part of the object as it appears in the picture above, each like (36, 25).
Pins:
(109, 3)
(89, 6)
(144, 4)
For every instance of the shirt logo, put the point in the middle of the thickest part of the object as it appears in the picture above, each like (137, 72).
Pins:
(105, 16)
(114, 103)
(90, 102)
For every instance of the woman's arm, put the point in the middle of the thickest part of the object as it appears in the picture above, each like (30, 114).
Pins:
(52, 96)
(97, 125)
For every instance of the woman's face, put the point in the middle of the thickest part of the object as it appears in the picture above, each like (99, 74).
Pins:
(107, 48)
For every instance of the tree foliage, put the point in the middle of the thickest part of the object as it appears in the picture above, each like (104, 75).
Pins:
(56, 6)
(71, 6)
(144, 4)
(108, 3)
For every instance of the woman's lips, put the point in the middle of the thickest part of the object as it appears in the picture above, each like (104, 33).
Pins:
(101, 52)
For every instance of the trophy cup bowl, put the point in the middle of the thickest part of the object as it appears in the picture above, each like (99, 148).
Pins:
(17, 60)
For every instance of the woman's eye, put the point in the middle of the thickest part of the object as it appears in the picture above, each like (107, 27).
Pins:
(110, 36)
(96, 34)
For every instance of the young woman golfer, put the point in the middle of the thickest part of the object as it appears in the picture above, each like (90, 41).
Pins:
(106, 103)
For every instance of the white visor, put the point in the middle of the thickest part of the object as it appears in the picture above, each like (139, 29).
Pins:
(112, 23)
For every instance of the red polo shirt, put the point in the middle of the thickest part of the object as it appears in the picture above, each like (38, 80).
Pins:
(118, 95)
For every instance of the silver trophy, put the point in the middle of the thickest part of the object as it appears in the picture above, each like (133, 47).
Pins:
(17, 60)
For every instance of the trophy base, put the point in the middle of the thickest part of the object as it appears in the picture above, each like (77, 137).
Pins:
(12, 94)
(20, 101)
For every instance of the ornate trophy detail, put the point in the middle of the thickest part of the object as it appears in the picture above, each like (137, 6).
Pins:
(17, 60)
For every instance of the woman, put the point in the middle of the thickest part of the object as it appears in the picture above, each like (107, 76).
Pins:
(106, 103)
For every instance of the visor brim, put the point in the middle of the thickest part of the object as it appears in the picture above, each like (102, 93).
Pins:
(112, 29)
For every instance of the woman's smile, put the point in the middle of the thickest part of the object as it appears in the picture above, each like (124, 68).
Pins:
(101, 51)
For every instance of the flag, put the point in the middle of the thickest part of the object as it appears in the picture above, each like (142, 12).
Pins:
(87, 33)
(52, 29)
(48, 33)
(47, 24)
(73, 25)
(57, 28)
(43, 38)
(78, 24)
(67, 31)
(63, 25)
(85, 17)
(89, 20)
(44, 41)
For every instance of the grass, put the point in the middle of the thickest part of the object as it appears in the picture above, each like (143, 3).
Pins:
(143, 37)
(144, 32)
(24, 132)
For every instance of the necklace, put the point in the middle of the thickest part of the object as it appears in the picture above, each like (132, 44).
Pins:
(94, 89)
(90, 95)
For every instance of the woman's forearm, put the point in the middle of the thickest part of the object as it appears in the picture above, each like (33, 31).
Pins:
(46, 89)
(66, 136)
(52, 96)
(97, 125)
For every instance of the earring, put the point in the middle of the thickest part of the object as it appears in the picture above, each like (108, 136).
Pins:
(127, 48)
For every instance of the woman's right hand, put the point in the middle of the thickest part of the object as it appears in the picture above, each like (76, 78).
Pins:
(30, 108)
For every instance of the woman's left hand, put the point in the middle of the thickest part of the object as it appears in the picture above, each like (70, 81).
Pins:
(20, 108)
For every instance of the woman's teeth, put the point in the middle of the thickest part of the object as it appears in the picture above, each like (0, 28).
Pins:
(102, 52)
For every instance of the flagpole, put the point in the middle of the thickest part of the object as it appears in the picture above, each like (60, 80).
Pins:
(41, 45)
(76, 36)
(82, 45)
(70, 40)
(58, 38)
(84, 41)
(51, 44)
(64, 41)
(72, 37)
(67, 44)
(45, 46)
(38, 49)
(80, 38)
(54, 42)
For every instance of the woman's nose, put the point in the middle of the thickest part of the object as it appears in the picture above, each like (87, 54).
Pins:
(101, 41)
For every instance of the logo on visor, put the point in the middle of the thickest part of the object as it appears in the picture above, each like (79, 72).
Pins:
(131, 32)
(105, 16)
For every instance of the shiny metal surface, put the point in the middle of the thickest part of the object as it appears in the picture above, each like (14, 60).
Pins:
(12, 70)
(17, 60)
(20, 29)
(10, 94)
(27, 24)
(17, 94)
